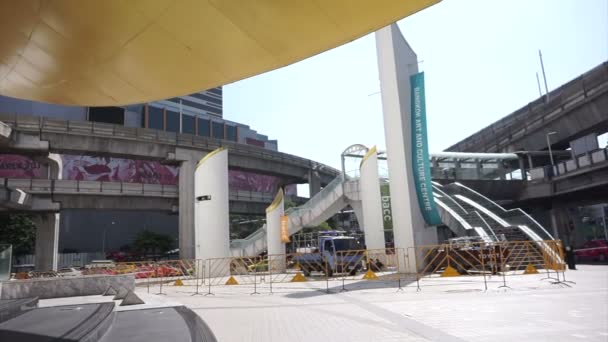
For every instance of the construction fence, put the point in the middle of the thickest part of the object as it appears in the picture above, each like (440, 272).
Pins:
(418, 266)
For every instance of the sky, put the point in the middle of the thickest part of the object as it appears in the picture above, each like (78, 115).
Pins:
(480, 59)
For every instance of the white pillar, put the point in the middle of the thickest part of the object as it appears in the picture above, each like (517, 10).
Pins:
(358, 209)
(276, 247)
(396, 63)
(373, 225)
(211, 220)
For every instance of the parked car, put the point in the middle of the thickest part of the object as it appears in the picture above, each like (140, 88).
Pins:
(595, 250)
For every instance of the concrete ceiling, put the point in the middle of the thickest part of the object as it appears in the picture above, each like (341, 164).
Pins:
(116, 52)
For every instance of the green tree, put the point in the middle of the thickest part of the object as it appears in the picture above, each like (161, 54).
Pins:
(148, 242)
(322, 226)
(289, 203)
(17, 229)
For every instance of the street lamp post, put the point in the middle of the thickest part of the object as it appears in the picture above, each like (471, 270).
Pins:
(549, 146)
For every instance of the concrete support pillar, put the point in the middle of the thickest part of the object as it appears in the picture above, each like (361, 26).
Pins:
(457, 170)
(211, 219)
(396, 63)
(188, 159)
(47, 242)
(186, 210)
(47, 226)
(560, 220)
(501, 170)
(314, 182)
(276, 247)
(554, 223)
(530, 161)
(373, 225)
(55, 166)
(522, 168)
(435, 170)
(478, 169)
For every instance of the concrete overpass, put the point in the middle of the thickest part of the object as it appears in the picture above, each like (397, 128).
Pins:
(579, 180)
(578, 177)
(50, 196)
(490, 174)
(39, 136)
(573, 110)
(42, 135)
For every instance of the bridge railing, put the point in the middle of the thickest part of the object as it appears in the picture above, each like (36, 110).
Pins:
(60, 186)
(586, 160)
(253, 244)
(317, 198)
(251, 196)
(67, 187)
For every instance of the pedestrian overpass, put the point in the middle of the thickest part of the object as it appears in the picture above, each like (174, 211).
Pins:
(463, 210)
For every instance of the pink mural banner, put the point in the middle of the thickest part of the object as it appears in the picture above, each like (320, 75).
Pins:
(249, 181)
(107, 169)
(16, 166)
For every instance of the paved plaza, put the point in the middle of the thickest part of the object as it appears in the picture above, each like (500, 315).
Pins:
(444, 309)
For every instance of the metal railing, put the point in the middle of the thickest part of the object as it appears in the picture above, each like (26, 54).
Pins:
(64, 259)
(514, 217)
(73, 187)
(317, 198)
(243, 247)
(240, 245)
(68, 187)
(426, 265)
(582, 162)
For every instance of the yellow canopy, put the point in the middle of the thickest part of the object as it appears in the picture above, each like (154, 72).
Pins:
(116, 52)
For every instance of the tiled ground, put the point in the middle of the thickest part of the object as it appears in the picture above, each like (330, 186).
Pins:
(445, 309)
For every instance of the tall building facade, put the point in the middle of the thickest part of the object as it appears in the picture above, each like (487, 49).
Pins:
(198, 114)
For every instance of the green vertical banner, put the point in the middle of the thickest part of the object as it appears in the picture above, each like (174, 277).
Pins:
(420, 153)
(387, 215)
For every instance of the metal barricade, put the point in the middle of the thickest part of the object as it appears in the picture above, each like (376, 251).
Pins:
(427, 265)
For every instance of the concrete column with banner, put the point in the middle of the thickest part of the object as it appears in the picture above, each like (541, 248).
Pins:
(211, 219)
(373, 224)
(274, 233)
(397, 63)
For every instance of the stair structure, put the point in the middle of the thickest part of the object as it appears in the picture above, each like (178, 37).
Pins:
(463, 210)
